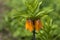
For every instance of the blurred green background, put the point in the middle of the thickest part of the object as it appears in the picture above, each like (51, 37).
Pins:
(13, 15)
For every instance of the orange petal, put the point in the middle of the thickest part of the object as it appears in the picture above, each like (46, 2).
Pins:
(29, 25)
(38, 25)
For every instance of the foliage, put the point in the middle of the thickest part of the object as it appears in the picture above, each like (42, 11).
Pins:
(47, 11)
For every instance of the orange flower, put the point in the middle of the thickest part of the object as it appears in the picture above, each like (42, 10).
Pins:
(38, 25)
(29, 25)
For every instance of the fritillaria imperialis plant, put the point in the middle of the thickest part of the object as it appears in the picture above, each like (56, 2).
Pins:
(30, 14)
(33, 21)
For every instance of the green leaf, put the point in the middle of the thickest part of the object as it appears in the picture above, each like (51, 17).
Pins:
(28, 6)
(44, 12)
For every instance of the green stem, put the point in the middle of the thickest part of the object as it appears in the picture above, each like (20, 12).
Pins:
(34, 38)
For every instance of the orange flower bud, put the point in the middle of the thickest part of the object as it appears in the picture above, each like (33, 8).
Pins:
(29, 25)
(38, 25)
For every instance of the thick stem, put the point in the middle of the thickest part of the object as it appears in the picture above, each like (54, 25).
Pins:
(34, 38)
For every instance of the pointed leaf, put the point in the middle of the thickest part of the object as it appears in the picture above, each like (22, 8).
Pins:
(44, 12)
